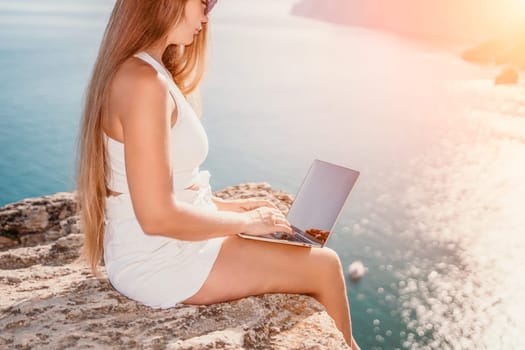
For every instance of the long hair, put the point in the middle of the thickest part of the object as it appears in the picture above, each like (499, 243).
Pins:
(134, 25)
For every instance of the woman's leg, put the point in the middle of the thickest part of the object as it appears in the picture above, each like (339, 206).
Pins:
(247, 267)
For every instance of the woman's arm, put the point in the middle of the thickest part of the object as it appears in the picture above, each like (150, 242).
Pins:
(187, 222)
(146, 107)
(241, 205)
(227, 204)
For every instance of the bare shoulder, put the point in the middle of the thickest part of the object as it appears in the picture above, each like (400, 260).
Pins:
(135, 83)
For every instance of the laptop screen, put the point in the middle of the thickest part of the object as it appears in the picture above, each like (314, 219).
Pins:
(321, 198)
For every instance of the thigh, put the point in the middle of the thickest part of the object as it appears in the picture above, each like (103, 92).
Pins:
(247, 267)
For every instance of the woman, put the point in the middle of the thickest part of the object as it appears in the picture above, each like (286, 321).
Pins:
(147, 208)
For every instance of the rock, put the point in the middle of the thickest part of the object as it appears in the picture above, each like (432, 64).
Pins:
(510, 51)
(513, 54)
(356, 270)
(34, 216)
(6, 242)
(508, 75)
(485, 52)
(50, 300)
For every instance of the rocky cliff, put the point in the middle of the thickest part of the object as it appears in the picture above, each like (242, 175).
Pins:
(49, 300)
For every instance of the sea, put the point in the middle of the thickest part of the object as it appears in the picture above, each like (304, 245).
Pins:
(437, 216)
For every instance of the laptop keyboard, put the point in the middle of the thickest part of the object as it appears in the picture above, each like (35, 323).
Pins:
(288, 237)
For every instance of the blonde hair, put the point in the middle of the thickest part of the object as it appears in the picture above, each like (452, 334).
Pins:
(134, 25)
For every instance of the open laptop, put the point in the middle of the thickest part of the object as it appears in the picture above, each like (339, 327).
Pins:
(317, 205)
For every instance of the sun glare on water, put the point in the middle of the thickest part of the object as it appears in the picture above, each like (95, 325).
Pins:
(519, 7)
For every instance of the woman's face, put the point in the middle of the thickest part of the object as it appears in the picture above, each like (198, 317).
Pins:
(184, 32)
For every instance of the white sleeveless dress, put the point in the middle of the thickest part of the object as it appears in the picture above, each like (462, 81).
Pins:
(156, 270)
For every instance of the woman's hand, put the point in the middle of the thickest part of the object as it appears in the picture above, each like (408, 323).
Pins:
(251, 204)
(264, 220)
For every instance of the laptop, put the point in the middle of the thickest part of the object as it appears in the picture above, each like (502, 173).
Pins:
(317, 205)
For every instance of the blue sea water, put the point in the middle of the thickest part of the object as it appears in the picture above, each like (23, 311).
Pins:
(436, 215)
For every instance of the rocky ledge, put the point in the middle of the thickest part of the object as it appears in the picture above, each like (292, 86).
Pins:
(49, 300)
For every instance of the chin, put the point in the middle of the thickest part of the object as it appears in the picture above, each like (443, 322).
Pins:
(190, 41)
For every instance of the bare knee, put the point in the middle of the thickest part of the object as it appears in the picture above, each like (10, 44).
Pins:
(332, 260)
(330, 268)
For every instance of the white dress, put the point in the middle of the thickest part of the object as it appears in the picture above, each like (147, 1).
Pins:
(156, 270)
